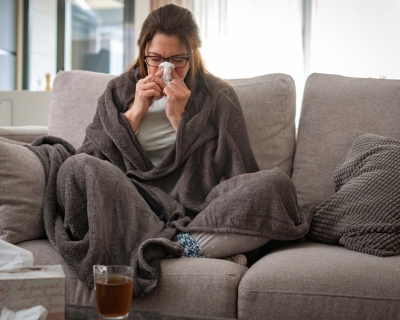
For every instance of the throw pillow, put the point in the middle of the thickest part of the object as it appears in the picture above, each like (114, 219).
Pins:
(22, 186)
(364, 213)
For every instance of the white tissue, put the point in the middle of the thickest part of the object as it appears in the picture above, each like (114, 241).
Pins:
(167, 78)
(167, 66)
(35, 313)
(13, 258)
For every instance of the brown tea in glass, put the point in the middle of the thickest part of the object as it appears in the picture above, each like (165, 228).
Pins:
(113, 285)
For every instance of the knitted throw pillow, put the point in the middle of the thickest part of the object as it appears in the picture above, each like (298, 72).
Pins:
(364, 213)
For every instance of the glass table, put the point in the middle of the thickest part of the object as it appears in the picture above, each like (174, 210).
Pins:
(90, 313)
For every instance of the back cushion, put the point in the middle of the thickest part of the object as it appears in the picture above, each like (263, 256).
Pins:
(73, 103)
(335, 108)
(268, 104)
(269, 107)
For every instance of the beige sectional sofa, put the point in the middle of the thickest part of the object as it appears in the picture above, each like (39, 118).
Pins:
(304, 280)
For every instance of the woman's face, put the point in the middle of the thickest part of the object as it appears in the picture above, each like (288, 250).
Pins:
(166, 47)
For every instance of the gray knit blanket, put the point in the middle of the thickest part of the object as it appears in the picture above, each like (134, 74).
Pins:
(364, 213)
(208, 181)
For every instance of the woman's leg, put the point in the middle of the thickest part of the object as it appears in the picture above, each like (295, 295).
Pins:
(224, 245)
(216, 245)
(261, 204)
(102, 210)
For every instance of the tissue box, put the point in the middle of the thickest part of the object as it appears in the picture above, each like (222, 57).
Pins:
(38, 285)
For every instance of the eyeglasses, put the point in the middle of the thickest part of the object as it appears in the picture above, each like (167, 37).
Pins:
(155, 61)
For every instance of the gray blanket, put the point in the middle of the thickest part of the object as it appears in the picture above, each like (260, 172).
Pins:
(102, 212)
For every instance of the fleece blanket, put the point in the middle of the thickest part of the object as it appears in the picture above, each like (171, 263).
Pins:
(106, 203)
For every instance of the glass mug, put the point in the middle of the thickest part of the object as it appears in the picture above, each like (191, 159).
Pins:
(113, 286)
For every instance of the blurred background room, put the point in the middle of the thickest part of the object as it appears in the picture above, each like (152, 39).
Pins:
(241, 38)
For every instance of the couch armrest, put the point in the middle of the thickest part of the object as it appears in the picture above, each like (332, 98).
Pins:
(25, 134)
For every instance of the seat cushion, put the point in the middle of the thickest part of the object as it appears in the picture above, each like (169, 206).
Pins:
(195, 286)
(192, 286)
(319, 281)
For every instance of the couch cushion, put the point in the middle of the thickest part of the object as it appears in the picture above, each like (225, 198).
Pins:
(334, 108)
(269, 108)
(319, 281)
(210, 284)
(73, 103)
(22, 184)
(16, 142)
(268, 104)
(25, 134)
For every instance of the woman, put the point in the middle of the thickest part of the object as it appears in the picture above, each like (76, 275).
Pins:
(176, 40)
(166, 169)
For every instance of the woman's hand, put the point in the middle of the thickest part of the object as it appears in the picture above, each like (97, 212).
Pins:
(146, 89)
(177, 97)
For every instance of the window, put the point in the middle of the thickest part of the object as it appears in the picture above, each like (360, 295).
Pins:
(250, 38)
(356, 38)
(95, 35)
(8, 46)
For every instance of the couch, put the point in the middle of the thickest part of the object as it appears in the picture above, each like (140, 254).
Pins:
(298, 280)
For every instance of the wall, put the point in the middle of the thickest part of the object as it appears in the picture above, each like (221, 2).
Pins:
(28, 108)
(142, 10)
(43, 46)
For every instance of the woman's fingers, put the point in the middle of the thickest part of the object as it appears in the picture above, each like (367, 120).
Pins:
(146, 89)
(150, 86)
(159, 72)
(174, 74)
(177, 96)
(177, 83)
(155, 78)
(177, 87)
(150, 92)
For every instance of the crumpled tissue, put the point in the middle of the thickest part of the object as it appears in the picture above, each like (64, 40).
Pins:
(166, 76)
(159, 104)
(35, 313)
(13, 258)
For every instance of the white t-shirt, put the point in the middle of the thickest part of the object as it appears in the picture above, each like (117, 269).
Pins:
(156, 133)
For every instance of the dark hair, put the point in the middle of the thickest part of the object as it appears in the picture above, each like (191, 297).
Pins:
(173, 20)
